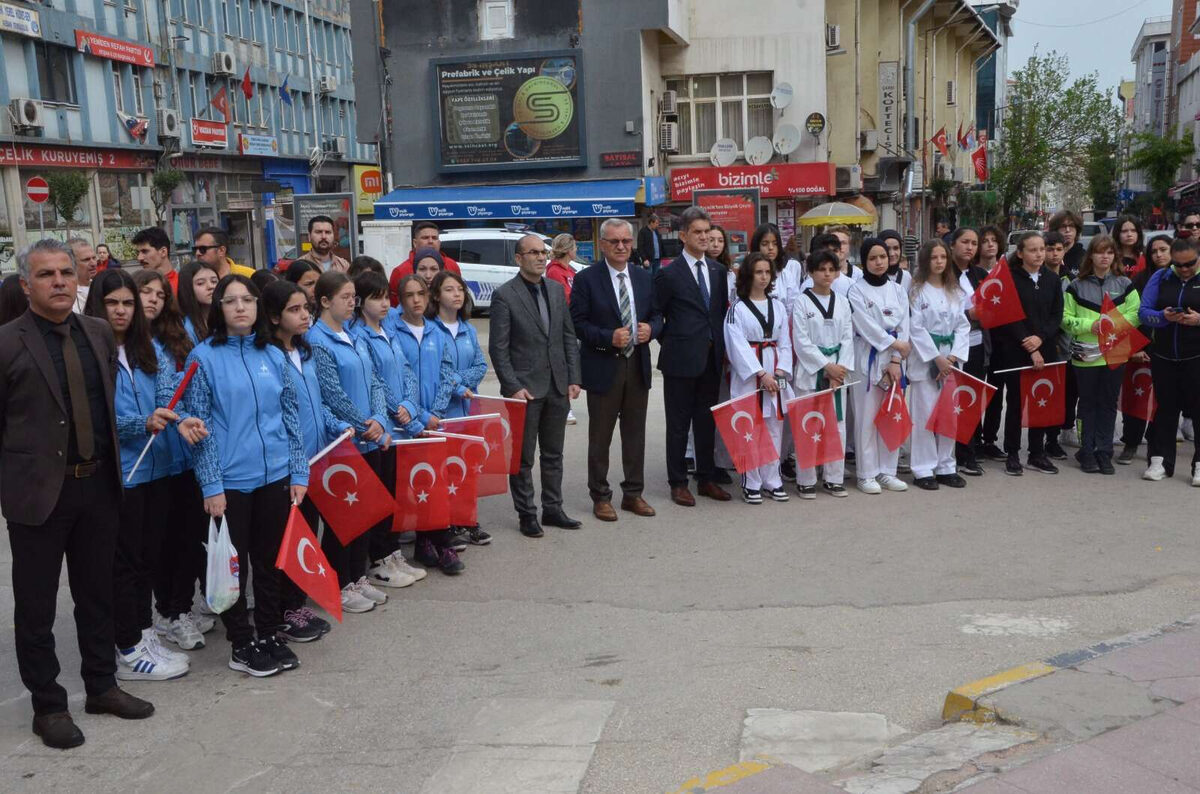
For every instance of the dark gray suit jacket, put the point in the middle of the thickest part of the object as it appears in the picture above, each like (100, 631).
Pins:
(523, 354)
(34, 420)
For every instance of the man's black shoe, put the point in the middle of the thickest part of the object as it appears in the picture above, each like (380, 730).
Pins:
(58, 730)
(787, 470)
(119, 703)
(557, 518)
(1087, 463)
(530, 528)
(926, 483)
(1104, 462)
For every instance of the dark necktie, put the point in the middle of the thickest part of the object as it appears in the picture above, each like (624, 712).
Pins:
(81, 410)
(543, 310)
(703, 285)
(626, 316)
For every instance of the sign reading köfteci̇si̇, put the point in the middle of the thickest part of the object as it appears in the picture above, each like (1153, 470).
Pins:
(516, 111)
(37, 189)
(889, 93)
(23, 21)
(68, 157)
(114, 49)
(205, 132)
(779, 180)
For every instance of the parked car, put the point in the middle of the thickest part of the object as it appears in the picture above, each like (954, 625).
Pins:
(1012, 240)
(487, 258)
(1090, 230)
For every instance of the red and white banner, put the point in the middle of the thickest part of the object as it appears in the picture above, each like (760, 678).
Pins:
(65, 157)
(206, 132)
(979, 160)
(779, 180)
(114, 49)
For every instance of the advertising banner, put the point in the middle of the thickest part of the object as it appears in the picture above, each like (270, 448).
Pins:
(208, 133)
(24, 21)
(368, 188)
(114, 49)
(64, 157)
(736, 211)
(777, 180)
(258, 145)
(339, 207)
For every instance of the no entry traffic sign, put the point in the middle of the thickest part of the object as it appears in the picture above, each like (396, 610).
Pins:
(37, 189)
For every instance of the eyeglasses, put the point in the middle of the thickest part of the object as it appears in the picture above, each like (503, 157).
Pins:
(1189, 226)
(625, 243)
(204, 249)
(244, 300)
(1187, 265)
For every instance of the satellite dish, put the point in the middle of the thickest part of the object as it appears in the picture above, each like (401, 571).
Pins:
(723, 152)
(758, 150)
(781, 96)
(787, 138)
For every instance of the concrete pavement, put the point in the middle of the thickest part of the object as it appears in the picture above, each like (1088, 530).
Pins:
(681, 623)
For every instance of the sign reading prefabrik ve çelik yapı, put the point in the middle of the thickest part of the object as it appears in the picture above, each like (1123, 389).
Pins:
(515, 111)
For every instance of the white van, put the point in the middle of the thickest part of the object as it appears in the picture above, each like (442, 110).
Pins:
(487, 258)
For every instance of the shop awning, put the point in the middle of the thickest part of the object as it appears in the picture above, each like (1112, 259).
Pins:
(611, 198)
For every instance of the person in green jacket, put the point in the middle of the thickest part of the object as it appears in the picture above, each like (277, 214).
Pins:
(1101, 273)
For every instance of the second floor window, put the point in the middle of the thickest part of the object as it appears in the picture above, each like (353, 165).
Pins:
(55, 78)
(735, 106)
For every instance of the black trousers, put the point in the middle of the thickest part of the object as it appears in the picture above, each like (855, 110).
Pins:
(83, 528)
(1074, 396)
(688, 403)
(1176, 390)
(381, 541)
(256, 522)
(137, 561)
(624, 403)
(974, 365)
(182, 560)
(1012, 421)
(1134, 429)
(350, 560)
(1099, 388)
(995, 409)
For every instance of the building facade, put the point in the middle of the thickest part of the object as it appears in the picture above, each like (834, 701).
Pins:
(1151, 55)
(251, 100)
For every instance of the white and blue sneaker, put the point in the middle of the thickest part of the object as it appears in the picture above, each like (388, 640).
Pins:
(141, 663)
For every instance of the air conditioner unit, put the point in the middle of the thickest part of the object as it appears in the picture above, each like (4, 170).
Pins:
(168, 123)
(335, 147)
(848, 178)
(869, 141)
(833, 37)
(327, 84)
(951, 93)
(668, 137)
(669, 104)
(222, 63)
(27, 114)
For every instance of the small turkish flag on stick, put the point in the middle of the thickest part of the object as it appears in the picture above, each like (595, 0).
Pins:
(960, 407)
(512, 419)
(301, 558)
(1137, 393)
(1118, 339)
(892, 419)
(996, 298)
(348, 494)
(421, 505)
(1044, 396)
(814, 424)
(740, 423)
(488, 462)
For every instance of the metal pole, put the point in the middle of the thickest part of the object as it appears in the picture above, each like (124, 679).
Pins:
(42, 218)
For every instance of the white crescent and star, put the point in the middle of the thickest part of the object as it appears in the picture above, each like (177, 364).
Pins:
(1138, 390)
(733, 423)
(804, 423)
(958, 409)
(462, 464)
(300, 554)
(422, 496)
(350, 497)
(1034, 389)
(983, 289)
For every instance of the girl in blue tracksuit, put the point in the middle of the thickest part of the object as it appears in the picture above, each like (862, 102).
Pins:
(352, 390)
(114, 298)
(197, 281)
(251, 466)
(427, 349)
(182, 560)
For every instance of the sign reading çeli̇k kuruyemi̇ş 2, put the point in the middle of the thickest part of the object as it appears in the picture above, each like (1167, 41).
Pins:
(515, 112)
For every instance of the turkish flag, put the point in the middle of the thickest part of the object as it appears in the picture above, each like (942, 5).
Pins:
(421, 505)
(939, 140)
(996, 299)
(1044, 396)
(247, 86)
(962, 143)
(814, 424)
(892, 419)
(979, 160)
(489, 463)
(1119, 340)
(740, 423)
(348, 494)
(1137, 393)
(220, 101)
(301, 558)
(960, 407)
(512, 420)
(458, 477)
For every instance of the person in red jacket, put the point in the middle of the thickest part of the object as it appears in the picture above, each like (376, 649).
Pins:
(425, 234)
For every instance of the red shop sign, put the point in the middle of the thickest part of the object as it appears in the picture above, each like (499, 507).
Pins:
(66, 157)
(779, 180)
(210, 133)
(114, 49)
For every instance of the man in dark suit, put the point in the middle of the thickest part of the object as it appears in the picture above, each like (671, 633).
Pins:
(612, 307)
(536, 357)
(649, 246)
(60, 489)
(692, 297)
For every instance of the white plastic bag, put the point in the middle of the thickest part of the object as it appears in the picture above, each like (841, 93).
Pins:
(221, 589)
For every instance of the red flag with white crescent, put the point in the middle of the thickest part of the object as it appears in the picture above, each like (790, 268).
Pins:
(814, 423)
(1137, 393)
(489, 461)
(421, 505)
(1117, 337)
(996, 298)
(892, 419)
(301, 558)
(458, 478)
(512, 420)
(348, 494)
(1044, 396)
(740, 423)
(960, 407)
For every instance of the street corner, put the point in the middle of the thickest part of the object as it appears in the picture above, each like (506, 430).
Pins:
(966, 702)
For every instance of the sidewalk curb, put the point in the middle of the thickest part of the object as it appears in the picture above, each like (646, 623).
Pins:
(967, 702)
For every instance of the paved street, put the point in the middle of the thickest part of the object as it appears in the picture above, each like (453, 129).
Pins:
(623, 657)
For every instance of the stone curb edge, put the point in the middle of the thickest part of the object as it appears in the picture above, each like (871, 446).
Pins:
(965, 703)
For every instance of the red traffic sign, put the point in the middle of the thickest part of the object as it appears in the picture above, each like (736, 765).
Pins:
(37, 189)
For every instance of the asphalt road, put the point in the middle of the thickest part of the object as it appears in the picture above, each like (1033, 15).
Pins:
(655, 635)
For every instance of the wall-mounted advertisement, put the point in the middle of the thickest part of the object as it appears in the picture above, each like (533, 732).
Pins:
(339, 207)
(735, 211)
(513, 112)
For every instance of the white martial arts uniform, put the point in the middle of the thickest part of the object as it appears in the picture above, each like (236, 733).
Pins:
(824, 324)
(746, 359)
(880, 318)
(939, 326)
(841, 285)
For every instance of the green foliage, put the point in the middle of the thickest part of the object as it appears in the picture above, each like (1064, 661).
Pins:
(1101, 171)
(1160, 158)
(163, 185)
(68, 189)
(978, 208)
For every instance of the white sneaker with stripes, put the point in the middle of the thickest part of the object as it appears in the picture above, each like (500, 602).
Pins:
(140, 663)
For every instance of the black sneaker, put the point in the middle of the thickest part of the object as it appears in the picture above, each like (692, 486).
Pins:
(992, 452)
(1041, 463)
(252, 659)
(787, 470)
(808, 491)
(835, 489)
(1012, 466)
(1087, 462)
(457, 539)
(1104, 462)
(971, 468)
(449, 563)
(477, 537)
(951, 480)
(279, 651)
(425, 552)
(926, 483)
(322, 625)
(1127, 454)
(751, 497)
(297, 628)
(777, 495)
(1055, 451)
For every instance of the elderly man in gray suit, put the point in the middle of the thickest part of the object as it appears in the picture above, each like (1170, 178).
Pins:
(536, 357)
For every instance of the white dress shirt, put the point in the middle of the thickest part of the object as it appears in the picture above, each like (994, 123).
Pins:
(703, 272)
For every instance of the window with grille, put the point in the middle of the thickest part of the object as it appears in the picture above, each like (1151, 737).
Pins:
(714, 106)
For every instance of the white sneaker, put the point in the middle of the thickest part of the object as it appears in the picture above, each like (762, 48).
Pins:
(150, 636)
(1188, 429)
(1196, 475)
(892, 483)
(142, 664)
(404, 566)
(183, 632)
(571, 417)
(203, 623)
(354, 601)
(1155, 470)
(200, 605)
(1069, 438)
(384, 573)
(869, 486)
(366, 589)
(162, 624)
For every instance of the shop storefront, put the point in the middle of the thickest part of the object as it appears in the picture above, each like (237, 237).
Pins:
(294, 179)
(219, 191)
